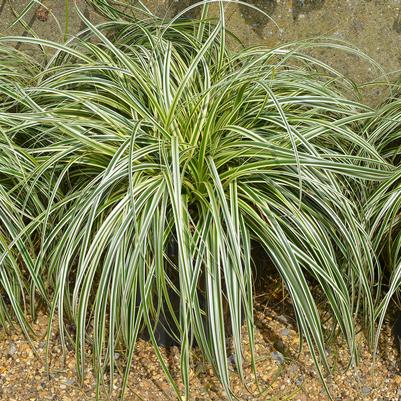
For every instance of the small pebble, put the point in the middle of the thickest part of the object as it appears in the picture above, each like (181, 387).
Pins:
(278, 357)
(285, 332)
(299, 380)
(12, 349)
(282, 319)
(366, 390)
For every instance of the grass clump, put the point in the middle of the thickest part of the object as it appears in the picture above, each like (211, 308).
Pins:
(138, 134)
(17, 271)
(383, 207)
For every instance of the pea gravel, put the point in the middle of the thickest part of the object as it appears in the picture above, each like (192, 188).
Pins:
(282, 373)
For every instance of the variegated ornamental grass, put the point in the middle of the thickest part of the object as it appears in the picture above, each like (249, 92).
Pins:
(136, 133)
(18, 205)
(383, 208)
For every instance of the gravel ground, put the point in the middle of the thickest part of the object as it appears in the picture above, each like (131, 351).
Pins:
(282, 373)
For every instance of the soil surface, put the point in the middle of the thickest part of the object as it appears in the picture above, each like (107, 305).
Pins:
(282, 372)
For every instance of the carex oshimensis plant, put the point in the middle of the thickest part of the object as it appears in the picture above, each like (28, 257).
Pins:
(19, 283)
(383, 207)
(152, 133)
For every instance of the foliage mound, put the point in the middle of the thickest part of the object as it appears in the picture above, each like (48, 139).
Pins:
(139, 135)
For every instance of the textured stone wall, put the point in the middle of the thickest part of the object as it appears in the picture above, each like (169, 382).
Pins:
(374, 26)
